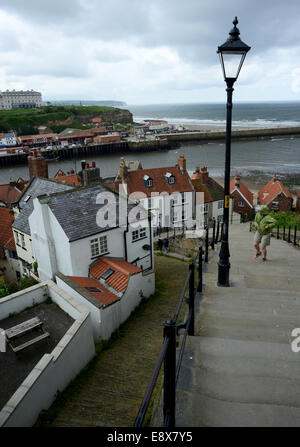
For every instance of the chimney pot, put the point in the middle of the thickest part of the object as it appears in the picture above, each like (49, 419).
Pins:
(94, 164)
(182, 162)
(87, 166)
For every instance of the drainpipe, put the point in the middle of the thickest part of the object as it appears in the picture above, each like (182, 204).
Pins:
(150, 229)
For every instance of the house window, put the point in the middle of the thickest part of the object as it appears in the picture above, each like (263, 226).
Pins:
(149, 183)
(94, 247)
(204, 208)
(22, 240)
(242, 204)
(275, 205)
(17, 238)
(99, 246)
(138, 234)
(220, 204)
(103, 244)
(170, 178)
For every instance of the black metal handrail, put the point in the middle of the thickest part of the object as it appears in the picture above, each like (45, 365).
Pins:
(168, 351)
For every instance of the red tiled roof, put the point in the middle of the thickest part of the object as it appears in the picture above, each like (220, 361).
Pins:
(38, 136)
(6, 233)
(9, 194)
(71, 179)
(122, 271)
(105, 296)
(243, 189)
(271, 190)
(96, 120)
(136, 183)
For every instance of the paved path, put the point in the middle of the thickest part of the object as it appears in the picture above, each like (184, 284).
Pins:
(239, 369)
(110, 391)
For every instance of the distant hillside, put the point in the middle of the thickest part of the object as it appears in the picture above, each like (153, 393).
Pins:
(26, 121)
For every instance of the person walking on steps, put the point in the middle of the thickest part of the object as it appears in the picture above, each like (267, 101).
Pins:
(166, 244)
(263, 223)
(160, 244)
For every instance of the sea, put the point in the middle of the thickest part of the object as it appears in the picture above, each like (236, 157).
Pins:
(258, 160)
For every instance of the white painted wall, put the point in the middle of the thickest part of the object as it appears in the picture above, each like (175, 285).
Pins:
(95, 312)
(18, 301)
(55, 370)
(80, 252)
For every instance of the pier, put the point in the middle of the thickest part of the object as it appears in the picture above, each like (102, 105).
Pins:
(123, 147)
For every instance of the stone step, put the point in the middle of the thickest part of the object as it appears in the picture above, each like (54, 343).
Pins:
(236, 383)
(209, 412)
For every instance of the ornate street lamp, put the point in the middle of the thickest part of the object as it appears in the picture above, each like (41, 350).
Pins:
(232, 55)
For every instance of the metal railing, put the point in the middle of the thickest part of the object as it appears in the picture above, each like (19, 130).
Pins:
(167, 355)
(288, 234)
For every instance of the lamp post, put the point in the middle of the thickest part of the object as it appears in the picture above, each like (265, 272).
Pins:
(232, 55)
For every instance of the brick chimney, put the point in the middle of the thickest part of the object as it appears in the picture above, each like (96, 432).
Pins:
(182, 163)
(37, 165)
(237, 181)
(204, 175)
(276, 179)
(91, 175)
(196, 175)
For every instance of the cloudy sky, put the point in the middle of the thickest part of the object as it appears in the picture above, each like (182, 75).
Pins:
(146, 52)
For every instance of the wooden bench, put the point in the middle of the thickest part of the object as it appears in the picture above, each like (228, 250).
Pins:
(24, 328)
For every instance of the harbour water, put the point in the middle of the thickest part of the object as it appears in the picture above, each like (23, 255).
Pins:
(255, 159)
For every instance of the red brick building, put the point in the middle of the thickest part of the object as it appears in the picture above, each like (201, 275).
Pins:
(242, 198)
(276, 196)
(298, 202)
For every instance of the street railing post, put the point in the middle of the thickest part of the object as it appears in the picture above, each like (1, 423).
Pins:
(289, 235)
(277, 231)
(170, 375)
(214, 235)
(283, 233)
(191, 328)
(218, 232)
(200, 270)
(206, 244)
(295, 235)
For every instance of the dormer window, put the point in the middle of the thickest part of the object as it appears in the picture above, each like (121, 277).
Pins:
(170, 178)
(148, 181)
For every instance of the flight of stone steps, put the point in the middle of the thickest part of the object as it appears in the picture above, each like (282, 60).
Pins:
(239, 369)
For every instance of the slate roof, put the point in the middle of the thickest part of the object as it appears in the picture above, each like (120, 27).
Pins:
(76, 211)
(212, 190)
(37, 187)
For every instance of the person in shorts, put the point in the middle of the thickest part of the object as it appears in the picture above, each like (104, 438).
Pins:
(263, 224)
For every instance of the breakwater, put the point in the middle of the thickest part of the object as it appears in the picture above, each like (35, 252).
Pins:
(247, 134)
(124, 147)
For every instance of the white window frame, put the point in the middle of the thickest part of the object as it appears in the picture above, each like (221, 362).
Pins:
(138, 234)
(94, 244)
(23, 240)
(103, 245)
(241, 204)
(220, 204)
(99, 246)
(17, 238)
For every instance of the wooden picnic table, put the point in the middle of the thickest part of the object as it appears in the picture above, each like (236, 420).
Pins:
(24, 328)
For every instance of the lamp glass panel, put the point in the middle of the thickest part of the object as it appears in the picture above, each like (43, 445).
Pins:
(232, 63)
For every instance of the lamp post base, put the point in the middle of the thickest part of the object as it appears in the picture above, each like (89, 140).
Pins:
(223, 275)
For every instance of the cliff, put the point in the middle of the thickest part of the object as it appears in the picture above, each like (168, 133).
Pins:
(26, 121)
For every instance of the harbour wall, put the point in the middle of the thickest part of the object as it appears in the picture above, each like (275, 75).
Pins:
(247, 134)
